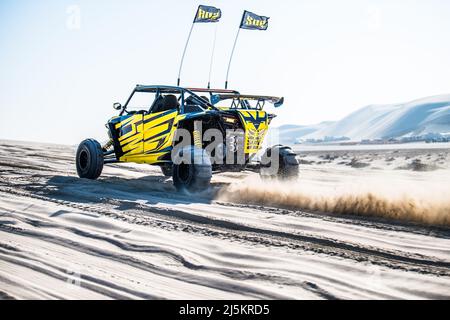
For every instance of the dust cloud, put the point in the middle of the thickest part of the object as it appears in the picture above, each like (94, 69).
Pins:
(426, 202)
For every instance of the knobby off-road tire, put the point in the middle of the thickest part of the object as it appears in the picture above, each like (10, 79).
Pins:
(288, 165)
(192, 175)
(89, 159)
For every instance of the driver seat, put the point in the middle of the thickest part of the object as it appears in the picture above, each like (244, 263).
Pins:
(169, 102)
(156, 105)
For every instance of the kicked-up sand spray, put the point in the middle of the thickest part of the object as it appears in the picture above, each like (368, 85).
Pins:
(426, 202)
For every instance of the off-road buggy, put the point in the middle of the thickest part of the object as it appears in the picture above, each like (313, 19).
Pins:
(190, 133)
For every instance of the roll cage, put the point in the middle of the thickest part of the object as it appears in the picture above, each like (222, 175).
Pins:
(160, 90)
(239, 101)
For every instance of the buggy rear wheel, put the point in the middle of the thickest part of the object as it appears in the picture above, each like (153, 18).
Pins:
(279, 162)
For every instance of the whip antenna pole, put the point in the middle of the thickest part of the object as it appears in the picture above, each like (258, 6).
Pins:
(232, 51)
(205, 14)
(249, 21)
(231, 57)
(212, 57)
(184, 53)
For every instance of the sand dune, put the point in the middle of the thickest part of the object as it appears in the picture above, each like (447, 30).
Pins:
(414, 118)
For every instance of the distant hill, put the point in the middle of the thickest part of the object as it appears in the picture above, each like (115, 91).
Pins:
(290, 133)
(419, 117)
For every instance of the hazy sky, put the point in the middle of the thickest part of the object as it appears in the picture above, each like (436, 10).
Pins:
(63, 63)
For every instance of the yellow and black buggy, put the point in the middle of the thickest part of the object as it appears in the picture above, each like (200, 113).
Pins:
(175, 127)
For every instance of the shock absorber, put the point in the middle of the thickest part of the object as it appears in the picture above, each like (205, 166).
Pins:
(107, 145)
(198, 134)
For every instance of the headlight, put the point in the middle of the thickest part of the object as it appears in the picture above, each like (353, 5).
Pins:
(229, 119)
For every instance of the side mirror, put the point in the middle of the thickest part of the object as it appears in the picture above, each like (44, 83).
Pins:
(117, 106)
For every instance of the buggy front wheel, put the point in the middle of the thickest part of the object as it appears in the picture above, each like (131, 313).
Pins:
(89, 159)
(192, 170)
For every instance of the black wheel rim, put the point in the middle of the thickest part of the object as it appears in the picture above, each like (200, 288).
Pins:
(83, 159)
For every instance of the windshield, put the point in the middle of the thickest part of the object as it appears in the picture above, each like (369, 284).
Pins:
(163, 100)
(141, 101)
(153, 102)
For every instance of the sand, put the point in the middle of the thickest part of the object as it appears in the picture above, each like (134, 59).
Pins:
(129, 235)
